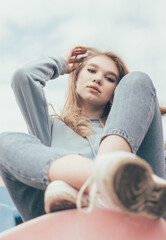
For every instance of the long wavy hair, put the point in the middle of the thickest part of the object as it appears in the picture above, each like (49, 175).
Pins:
(71, 113)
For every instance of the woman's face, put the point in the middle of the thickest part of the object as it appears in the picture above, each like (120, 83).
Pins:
(97, 81)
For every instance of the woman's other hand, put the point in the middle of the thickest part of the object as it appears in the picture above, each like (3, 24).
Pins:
(71, 59)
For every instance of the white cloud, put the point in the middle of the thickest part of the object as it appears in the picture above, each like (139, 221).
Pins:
(11, 118)
(133, 29)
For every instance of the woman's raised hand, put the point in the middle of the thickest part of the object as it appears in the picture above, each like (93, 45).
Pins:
(71, 58)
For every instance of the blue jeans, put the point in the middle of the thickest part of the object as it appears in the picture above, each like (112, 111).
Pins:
(135, 115)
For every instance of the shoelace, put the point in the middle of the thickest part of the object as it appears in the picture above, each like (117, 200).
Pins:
(92, 195)
(95, 198)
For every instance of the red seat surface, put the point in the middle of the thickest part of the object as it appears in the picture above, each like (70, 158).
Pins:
(100, 224)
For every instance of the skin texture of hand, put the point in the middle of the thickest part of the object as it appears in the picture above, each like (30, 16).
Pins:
(71, 58)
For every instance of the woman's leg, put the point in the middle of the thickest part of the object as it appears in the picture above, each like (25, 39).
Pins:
(26, 165)
(67, 175)
(135, 119)
(29, 201)
(134, 124)
(72, 169)
(113, 143)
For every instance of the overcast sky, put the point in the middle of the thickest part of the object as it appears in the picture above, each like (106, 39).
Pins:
(135, 29)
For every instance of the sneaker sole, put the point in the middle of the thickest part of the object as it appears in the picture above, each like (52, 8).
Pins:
(129, 182)
(59, 196)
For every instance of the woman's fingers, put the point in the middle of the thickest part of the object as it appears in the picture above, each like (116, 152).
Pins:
(73, 57)
(74, 64)
(78, 50)
(73, 67)
(74, 52)
(76, 60)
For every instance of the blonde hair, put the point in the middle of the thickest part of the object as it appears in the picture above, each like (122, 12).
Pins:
(71, 113)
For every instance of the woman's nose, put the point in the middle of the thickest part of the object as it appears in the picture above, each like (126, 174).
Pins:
(99, 81)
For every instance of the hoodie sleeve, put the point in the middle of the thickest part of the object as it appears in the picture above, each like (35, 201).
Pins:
(27, 84)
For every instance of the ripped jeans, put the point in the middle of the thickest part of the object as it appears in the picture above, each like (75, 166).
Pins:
(135, 115)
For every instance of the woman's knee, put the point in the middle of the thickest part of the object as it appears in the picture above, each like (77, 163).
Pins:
(10, 139)
(137, 79)
(5, 139)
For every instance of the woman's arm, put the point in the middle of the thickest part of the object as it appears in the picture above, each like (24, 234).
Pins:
(27, 84)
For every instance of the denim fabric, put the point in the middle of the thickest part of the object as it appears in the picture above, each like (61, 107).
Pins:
(135, 115)
(24, 164)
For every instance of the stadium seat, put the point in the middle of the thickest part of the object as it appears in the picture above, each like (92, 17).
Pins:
(100, 224)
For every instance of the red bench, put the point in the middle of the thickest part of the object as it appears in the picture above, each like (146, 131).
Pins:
(101, 224)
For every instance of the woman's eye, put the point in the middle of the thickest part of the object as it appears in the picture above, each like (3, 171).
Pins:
(110, 79)
(91, 70)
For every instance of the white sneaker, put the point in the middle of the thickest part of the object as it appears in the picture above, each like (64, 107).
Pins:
(60, 196)
(127, 182)
(96, 198)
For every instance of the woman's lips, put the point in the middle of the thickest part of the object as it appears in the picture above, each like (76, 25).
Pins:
(94, 89)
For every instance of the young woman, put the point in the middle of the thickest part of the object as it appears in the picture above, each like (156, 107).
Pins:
(110, 115)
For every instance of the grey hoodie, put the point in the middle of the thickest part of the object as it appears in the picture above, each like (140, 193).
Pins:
(27, 84)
